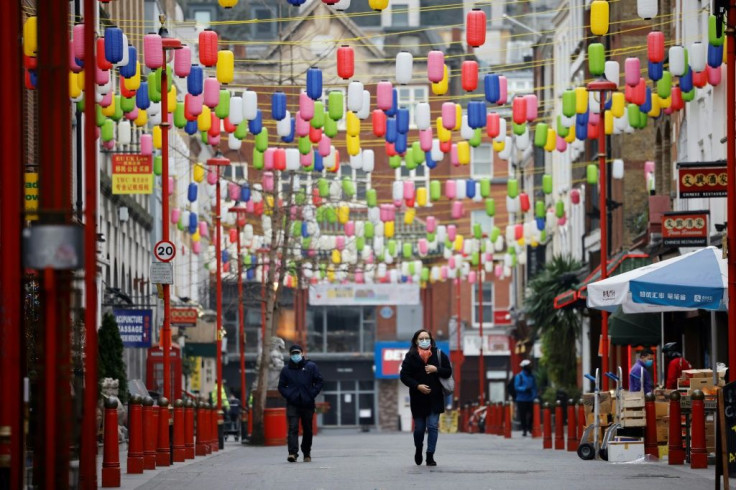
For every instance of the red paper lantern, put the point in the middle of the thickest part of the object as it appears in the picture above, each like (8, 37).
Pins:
(102, 62)
(655, 46)
(228, 126)
(575, 196)
(279, 159)
(208, 47)
(469, 75)
(316, 199)
(30, 62)
(124, 91)
(233, 232)
(700, 78)
(524, 202)
(493, 125)
(592, 131)
(315, 134)
(345, 62)
(518, 109)
(475, 28)
(379, 123)
(390, 149)
(214, 126)
(446, 146)
(677, 102)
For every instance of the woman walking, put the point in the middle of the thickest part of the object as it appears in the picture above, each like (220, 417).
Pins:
(420, 371)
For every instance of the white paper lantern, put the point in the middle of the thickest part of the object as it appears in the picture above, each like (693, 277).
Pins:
(505, 154)
(154, 119)
(378, 244)
(646, 9)
(522, 141)
(250, 105)
(477, 197)
(236, 110)
(617, 172)
(341, 5)
(697, 56)
(612, 71)
(233, 143)
(501, 130)
(153, 108)
(365, 106)
(283, 126)
(292, 159)
(397, 190)
(355, 96)
(356, 161)
(466, 132)
(594, 103)
(126, 53)
(567, 121)
(404, 67)
(422, 116)
(368, 161)
(461, 188)
(441, 233)
(124, 132)
(436, 152)
(677, 60)
(374, 215)
(512, 204)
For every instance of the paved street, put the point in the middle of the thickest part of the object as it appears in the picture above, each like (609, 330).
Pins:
(356, 460)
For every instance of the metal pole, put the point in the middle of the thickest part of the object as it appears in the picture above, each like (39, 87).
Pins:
(218, 291)
(604, 230)
(88, 458)
(166, 330)
(481, 365)
(241, 314)
(11, 274)
(731, 173)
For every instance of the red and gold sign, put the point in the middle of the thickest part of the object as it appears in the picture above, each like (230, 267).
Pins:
(132, 173)
(185, 316)
(685, 228)
(702, 181)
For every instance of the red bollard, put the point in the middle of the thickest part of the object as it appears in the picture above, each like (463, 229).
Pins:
(650, 432)
(150, 435)
(163, 450)
(463, 419)
(489, 419)
(536, 419)
(581, 419)
(509, 422)
(547, 438)
(499, 418)
(494, 419)
(207, 415)
(698, 451)
(135, 435)
(111, 454)
(676, 451)
(572, 427)
(188, 429)
(201, 446)
(179, 448)
(214, 421)
(559, 427)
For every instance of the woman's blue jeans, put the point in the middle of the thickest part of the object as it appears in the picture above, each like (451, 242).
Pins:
(431, 425)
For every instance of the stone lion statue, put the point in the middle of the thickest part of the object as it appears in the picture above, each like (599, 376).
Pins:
(109, 388)
(277, 349)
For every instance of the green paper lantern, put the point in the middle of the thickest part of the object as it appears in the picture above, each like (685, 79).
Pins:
(157, 165)
(540, 135)
(348, 187)
(368, 230)
(371, 199)
(477, 138)
(559, 209)
(330, 128)
(431, 236)
(257, 159)
(306, 242)
(305, 145)
(409, 161)
(562, 130)
(518, 129)
(485, 187)
(713, 38)
(424, 274)
(512, 187)
(360, 243)
(591, 173)
(323, 186)
(261, 140)
(435, 190)
(417, 152)
(318, 119)
(664, 85)
(100, 117)
(180, 119)
(107, 132)
(222, 109)
(407, 251)
(241, 130)
(117, 115)
(331, 214)
(568, 103)
(547, 184)
(475, 259)
(539, 210)
(391, 246)
(491, 207)
(688, 96)
(495, 233)
(633, 113)
(394, 161)
(596, 59)
(154, 88)
(477, 231)
(335, 105)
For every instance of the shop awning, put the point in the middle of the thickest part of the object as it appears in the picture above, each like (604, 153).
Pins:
(635, 328)
(621, 262)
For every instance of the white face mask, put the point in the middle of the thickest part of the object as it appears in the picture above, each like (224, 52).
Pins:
(424, 343)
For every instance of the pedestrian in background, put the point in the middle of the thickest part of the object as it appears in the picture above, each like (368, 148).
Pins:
(300, 382)
(676, 365)
(639, 376)
(420, 372)
(526, 392)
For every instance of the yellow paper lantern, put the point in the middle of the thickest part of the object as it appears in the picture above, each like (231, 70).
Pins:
(171, 101)
(225, 66)
(421, 196)
(343, 214)
(459, 243)
(665, 103)
(204, 120)
(269, 204)
(228, 4)
(134, 82)
(608, 122)
(352, 124)
(196, 236)
(599, 17)
(570, 134)
(157, 139)
(551, 143)
(618, 103)
(442, 133)
(463, 152)
(441, 87)
(80, 80)
(330, 274)
(656, 106)
(458, 117)
(74, 90)
(30, 36)
(409, 216)
(336, 256)
(142, 118)
(109, 111)
(198, 172)
(499, 145)
(378, 4)
(521, 241)
(581, 100)
(353, 145)
(388, 229)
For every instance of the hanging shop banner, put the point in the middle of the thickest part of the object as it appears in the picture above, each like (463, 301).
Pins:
(685, 228)
(363, 294)
(390, 355)
(702, 179)
(184, 316)
(493, 345)
(31, 195)
(132, 173)
(134, 326)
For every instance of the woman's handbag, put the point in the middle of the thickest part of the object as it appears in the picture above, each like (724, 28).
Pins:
(448, 384)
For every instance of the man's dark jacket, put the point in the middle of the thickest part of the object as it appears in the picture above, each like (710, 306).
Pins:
(300, 383)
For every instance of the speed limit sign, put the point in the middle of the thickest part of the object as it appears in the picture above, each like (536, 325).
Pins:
(164, 251)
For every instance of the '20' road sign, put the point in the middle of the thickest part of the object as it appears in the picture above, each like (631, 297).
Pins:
(164, 251)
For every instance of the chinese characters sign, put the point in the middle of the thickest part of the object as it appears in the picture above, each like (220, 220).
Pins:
(132, 174)
(685, 229)
(698, 180)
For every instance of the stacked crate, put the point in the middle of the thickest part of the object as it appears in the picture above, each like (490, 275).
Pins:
(632, 409)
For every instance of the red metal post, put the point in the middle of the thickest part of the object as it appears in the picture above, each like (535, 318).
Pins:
(499, 418)
(572, 429)
(218, 289)
(676, 453)
(214, 427)
(188, 429)
(481, 366)
(508, 420)
(166, 329)
(135, 435)
(150, 435)
(241, 316)
(581, 419)
(208, 428)
(201, 449)
(698, 451)
(536, 420)
(559, 427)
(488, 428)
(547, 438)
(163, 448)
(650, 432)
(731, 176)
(111, 452)
(11, 273)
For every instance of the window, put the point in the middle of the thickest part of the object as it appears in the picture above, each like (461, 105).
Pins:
(409, 97)
(203, 18)
(361, 179)
(419, 175)
(480, 216)
(481, 163)
(399, 15)
(264, 27)
(343, 329)
(487, 303)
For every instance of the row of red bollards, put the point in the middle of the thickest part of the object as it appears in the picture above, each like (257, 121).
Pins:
(149, 445)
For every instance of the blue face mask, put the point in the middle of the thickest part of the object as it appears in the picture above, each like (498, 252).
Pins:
(296, 358)
(424, 343)
(648, 363)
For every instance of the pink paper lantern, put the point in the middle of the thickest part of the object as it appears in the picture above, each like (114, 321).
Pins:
(146, 144)
(450, 189)
(471, 277)
(532, 107)
(211, 92)
(632, 71)
(503, 90)
(306, 160)
(425, 139)
(435, 66)
(211, 177)
(268, 158)
(431, 224)
(234, 191)
(170, 188)
(306, 106)
(714, 75)
(449, 115)
(175, 215)
(301, 126)
(384, 95)
(349, 228)
(183, 61)
(451, 232)
(457, 209)
(268, 181)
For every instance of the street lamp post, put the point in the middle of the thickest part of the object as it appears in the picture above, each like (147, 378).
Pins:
(168, 43)
(481, 364)
(602, 86)
(241, 310)
(731, 176)
(218, 161)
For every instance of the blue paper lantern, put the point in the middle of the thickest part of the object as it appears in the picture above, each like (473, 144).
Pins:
(296, 3)
(686, 81)
(581, 131)
(540, 223)
(191, 127)
(33, 75)
(255, 126)
(655, 71)
(391, 130)
(225, 256)
(314, 83)
(715, 55)
(317, 162)
(428, 160)
(305, 229)
(142, 101)
(581, 119)
(250, 274)
(402, 120)
(278, 106)
(193, 223)
(647, 105)
(394, 104)
(129, 70)
(195, 80)
(290, 137)
(245, 192)
(470, 188)
(401, 142)
(476, 114)
(609, 103)
(492, 87)
(192, 192)
(114, 44)
(80, 63)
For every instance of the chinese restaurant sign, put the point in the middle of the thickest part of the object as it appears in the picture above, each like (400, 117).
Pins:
(685, 228)
(706, 179)
(132, 173)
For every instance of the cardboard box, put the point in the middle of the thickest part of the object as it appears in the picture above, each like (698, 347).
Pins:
(662, 409)
(663, 430)
(697, 373)
(664, 451)
(624, 452)
(606, 402)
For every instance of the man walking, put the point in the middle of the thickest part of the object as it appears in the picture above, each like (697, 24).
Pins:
(299, 383)
(526, 391)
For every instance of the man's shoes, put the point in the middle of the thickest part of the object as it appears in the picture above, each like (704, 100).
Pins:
(418, 456)
(307, 458)
(292, 458)
(430, 459)
(524, 434)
